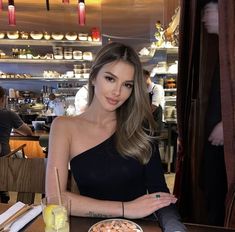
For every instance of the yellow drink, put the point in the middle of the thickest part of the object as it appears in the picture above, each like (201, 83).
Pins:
(55, 218)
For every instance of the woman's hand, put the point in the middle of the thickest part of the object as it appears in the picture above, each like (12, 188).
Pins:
(147, 204)
(217, 135)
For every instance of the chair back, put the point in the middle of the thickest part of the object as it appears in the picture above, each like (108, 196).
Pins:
(24, 176)
(14, 152)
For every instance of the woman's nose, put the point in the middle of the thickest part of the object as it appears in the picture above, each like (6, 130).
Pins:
(116, 90)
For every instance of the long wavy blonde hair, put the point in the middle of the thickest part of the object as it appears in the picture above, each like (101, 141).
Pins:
(135, 124)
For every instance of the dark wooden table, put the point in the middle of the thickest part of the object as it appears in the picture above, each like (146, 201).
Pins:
(34, 137)
(34, 143)
(79, 224)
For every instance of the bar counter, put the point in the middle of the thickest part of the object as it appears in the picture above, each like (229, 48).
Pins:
(33, 148)
(83, 224)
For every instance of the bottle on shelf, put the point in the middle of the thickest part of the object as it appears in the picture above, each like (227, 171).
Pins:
(15, 52)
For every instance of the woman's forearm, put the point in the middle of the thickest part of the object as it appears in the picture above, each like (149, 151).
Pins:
(89, 207)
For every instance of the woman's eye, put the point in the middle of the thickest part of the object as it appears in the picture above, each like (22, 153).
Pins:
(129, 86)
(108, 78)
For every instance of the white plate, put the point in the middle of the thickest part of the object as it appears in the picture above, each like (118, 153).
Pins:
(123, 224)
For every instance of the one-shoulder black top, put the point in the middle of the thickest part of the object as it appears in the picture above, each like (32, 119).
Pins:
(102, 173)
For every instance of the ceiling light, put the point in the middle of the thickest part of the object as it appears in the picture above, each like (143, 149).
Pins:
(1, 5)
(48, 5)
(11, 13)
(81, 12)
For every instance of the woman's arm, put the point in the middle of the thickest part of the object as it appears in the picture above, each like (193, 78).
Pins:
(59, 157)
(217, 135)
(168, 216)
(170, 220)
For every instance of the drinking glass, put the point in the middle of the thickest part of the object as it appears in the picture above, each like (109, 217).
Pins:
(56, 216)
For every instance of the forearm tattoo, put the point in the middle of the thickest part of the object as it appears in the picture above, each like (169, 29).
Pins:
(98, 215)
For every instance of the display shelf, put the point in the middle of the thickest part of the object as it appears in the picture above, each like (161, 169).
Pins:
(41, 61)
(166, 74)
(171, 50)
(45, 79)
(74, 88)
(42, 42)
(170, 90)
(32, 70)
(170, 98)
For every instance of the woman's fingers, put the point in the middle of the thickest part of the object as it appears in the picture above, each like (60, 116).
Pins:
(147, 204)
(164, 196)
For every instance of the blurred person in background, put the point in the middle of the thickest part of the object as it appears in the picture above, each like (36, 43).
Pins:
(9, 120)
(214, 180)
(56, 104)
(157, 100)
(81, 99)
(205, 176)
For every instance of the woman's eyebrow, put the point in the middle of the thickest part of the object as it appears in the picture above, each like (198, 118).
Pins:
(131, 81)
(111, 74)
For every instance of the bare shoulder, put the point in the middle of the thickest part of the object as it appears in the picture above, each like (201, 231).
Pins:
(65, 124)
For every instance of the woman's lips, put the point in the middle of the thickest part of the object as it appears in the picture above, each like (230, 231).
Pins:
(112, 101)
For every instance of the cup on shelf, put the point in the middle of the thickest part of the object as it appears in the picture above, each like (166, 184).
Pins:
(58, 52)
(70, 74)
(68, 53)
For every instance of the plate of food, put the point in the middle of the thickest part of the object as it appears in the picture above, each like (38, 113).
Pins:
(113, 225)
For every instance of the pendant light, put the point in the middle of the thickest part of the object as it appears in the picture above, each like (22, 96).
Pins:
(1, 5)
(47, 5)
(65, 1)
(11, 13)
(81, 12)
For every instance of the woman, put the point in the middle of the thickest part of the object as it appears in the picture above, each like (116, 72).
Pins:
(113, 158)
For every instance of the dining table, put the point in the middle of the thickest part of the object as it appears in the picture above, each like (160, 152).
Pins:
(82, 224)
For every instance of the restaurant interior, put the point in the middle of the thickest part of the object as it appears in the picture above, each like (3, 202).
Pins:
(47, 47)
(41, 54)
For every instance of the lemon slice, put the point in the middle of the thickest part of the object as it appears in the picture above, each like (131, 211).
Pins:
(48, 216)
(55, 217)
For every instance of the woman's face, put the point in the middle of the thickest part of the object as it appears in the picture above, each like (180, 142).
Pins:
(113, 85)
(211, 18)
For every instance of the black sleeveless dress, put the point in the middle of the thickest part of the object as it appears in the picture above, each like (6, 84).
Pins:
(102, 173)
